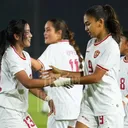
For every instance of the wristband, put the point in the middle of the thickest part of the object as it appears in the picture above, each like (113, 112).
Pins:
(62, 82)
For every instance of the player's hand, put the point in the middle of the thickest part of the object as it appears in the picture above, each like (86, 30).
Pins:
(44, 74)
(48, 74)
(52, 107)
(56, 70)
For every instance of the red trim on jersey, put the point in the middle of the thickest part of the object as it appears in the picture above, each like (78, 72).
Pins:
(102, 67)
(41, 64)
(124, 59)
(18, 53)
(96, 43)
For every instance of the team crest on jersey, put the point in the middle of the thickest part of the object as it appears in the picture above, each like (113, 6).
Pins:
(96, 53)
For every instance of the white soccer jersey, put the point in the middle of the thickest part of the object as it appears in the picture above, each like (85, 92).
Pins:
(67, 101)
(104, 97)
(123, 83)
(123, 76)
(13, 94)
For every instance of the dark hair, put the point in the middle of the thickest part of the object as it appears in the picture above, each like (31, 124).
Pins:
(111, 21)
(59, 24)
(7, 35)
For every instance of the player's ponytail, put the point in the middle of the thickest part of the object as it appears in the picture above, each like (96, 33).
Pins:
(3, 41)
(111, 21)
(75, 46)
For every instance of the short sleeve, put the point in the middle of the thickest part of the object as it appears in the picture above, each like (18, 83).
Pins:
(109, 58)
(46, 58)
(13, 64)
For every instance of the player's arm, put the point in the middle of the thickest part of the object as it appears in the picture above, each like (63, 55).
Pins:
(104, 64)
(66, 73)
(89, 79)
(32, 83)
(36, 65)
(40, 93)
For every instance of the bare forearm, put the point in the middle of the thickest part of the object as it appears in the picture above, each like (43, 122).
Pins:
(38, 93)
(89, 79)
(71, 74)
(35, 64)
(38, 83)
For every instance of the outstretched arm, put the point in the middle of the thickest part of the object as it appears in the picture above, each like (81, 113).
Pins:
(33, 83)
(88, 79)
(67, 73)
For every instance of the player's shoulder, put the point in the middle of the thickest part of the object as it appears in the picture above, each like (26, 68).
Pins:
(57, 46)
(111, 41)
(111, 45)
(50, 46)
(9, 53)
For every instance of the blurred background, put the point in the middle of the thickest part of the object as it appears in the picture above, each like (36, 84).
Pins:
(37, 12)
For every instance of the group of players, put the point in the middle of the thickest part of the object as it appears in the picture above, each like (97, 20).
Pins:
(104, 74)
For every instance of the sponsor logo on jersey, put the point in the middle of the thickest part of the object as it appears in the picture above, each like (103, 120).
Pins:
(96, 53)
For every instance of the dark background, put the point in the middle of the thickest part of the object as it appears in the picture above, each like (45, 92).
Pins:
(37, 12)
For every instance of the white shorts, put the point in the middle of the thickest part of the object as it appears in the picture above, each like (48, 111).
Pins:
(14, 119)
(106, 121)
(53, 123)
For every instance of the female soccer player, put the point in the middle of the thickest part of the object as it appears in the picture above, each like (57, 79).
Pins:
(102, 103)
(123, 76)
(16, 76)
(63, 53)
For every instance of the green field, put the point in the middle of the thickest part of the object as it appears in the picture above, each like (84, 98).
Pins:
(34, 110)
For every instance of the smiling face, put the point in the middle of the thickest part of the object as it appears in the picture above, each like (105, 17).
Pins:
(93, 26)
(50, 35)
(27, 36)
